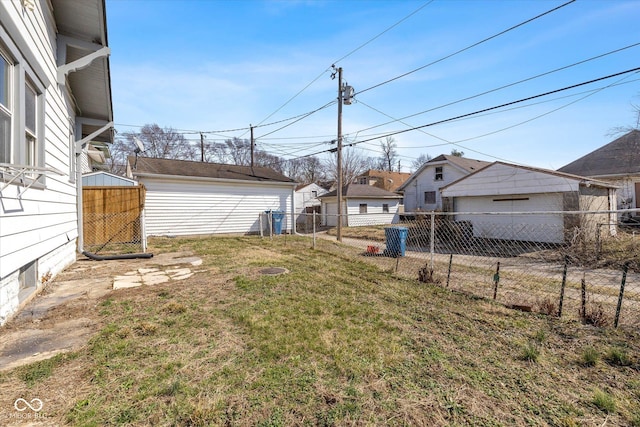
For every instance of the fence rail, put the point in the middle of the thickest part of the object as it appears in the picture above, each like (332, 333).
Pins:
(572, 264)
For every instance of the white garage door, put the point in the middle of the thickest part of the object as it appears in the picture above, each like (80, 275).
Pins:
(494, 219)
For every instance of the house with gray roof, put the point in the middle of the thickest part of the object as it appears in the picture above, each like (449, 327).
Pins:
(422, 190)
(362, 204)
(617, 162)
(196, 198)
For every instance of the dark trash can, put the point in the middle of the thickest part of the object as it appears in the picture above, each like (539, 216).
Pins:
(396, 240)
(277, 218)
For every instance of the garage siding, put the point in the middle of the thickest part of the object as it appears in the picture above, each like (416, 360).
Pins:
(548, 228)
(177, 208)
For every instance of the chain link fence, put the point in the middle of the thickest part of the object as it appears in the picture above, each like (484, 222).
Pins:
(577, 265)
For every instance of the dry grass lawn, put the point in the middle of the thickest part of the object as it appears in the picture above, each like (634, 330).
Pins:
(334, 341)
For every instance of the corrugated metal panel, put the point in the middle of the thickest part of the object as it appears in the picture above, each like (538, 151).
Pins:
(187, 207)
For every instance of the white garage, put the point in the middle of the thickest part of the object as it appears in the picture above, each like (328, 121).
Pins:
(196, 198)
(512, 202)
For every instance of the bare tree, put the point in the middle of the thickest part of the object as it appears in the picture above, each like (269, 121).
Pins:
(457, 153)
(353, 164)
(389, 154)
(159, 142)
(626, 129)
(421, 160)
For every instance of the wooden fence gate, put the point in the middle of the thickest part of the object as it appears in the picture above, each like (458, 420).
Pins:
(112, 218)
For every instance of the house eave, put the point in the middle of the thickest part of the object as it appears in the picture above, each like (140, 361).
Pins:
(137, 175)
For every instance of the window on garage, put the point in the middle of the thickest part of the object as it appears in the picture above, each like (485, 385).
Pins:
(363, 208)
(439, 173)
(385, 207)
(430, 197)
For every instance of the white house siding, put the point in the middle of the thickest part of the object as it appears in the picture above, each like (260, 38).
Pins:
(546, 227)
(330, 213)
(374, 215)
(39, 228)
(501, 179)
(189, 207)
(305, 198)
(425, 181)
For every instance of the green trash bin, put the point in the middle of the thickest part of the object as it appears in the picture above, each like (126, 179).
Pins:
(396, 241)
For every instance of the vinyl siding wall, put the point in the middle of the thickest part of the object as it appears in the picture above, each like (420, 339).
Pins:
(175, 207)
(39, 227)
(425, 181)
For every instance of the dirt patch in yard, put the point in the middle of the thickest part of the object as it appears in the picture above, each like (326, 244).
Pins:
(65, 314)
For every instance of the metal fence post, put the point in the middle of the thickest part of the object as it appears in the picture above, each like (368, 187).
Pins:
(496, 279)
(625, 269)
(564, 283)
(449, 271)
(314, 229)
(432, 238)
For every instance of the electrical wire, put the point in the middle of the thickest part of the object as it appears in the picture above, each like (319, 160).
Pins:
(469, 47)
(507, 104)
(505, 86)
(346, 56)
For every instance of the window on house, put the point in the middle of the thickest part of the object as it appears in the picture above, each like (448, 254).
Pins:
(363, 181)
(5, 109)
(30, 114)
(314, 194)
(439, 174)
(21, 112)
(385, 208)
(430, 197)
(363, 208)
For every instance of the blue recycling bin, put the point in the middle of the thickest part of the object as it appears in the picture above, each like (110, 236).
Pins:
(276, 221)
(396, 240)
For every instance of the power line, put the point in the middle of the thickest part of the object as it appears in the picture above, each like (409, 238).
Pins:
(346, 56)
(470, 46)
(633, 70)
(505, 86)
(506, 104)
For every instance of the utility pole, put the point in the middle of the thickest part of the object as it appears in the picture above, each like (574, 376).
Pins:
(253, 144)
(345, 93)
(339, 172)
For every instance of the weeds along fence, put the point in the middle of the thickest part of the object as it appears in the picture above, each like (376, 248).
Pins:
(581, 265)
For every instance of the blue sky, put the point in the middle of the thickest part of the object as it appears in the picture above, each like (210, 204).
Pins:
(221, 66)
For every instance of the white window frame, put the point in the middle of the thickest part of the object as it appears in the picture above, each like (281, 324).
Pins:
(21, 79)
(363, 208)
(385, 208)
(7, 110)
(439, 173)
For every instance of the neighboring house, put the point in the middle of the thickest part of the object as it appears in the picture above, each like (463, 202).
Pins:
(422, 190)
(55, 100)
(506, 188)
(307, 201)
(618, 162)
(386, 180)
(106, 179)
(191, 198)
(361, 205)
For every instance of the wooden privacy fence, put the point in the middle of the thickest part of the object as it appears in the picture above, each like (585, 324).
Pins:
(112, 218)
